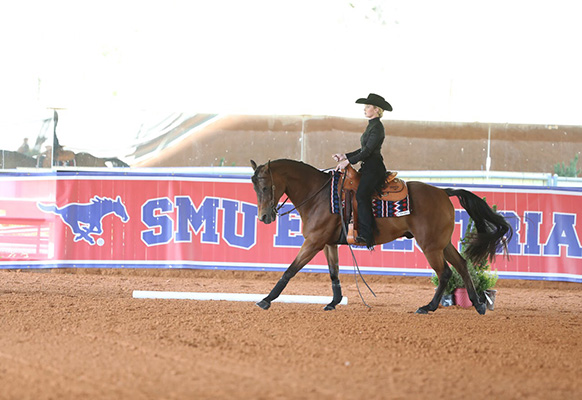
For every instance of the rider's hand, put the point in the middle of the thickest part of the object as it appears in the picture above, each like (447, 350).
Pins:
(339, 157)
(342, 165)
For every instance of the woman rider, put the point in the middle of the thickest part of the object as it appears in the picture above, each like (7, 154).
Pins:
(372, 168)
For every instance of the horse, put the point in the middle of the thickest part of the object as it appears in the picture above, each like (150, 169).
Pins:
(431, 223)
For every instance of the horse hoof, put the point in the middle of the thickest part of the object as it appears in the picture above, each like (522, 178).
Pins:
(422, 310)
(481, 308)
(329, 307)
(264, 304)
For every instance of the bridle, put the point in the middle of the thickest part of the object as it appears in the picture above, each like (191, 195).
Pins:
(277, 208)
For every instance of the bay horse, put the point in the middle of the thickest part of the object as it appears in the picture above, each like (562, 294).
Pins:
(431, 223)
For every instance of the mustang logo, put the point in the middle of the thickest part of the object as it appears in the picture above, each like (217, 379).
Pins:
(85, 219)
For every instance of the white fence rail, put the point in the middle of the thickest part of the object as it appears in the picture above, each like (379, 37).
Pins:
(469, 177)
(472, 177)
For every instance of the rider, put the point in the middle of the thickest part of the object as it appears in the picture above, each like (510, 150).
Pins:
(372, 168)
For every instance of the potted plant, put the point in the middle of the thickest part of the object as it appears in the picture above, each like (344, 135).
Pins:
(481, 275)
(454, 282)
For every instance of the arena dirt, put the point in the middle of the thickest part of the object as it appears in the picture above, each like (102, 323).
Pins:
(80, 335)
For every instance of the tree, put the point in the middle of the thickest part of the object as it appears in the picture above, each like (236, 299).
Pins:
(571, 170)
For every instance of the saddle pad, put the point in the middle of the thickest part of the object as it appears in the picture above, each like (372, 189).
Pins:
(387, 208)
(335, 198)
(380, 208)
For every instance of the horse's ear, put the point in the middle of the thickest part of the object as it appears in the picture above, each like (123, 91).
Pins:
(254, 165)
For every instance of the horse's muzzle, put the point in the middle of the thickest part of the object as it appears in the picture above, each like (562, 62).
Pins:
(268, 216)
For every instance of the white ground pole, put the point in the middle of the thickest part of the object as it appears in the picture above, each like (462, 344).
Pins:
(154, 294)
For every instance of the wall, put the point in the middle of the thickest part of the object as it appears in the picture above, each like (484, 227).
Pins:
(410, 145)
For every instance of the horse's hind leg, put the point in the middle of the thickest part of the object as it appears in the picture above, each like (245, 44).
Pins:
(436, 259)
(333, 264)
(307, 252)
(453, 256)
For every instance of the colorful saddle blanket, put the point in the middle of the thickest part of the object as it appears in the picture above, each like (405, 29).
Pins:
(380, 208)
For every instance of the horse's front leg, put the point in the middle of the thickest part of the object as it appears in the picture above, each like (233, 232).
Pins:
(306, 253)
(333, 263)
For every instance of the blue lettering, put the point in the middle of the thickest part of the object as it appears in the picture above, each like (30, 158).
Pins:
(158, 222)
(230, 224)
(401, 244)
(533, 221)
(289, 229)
(563, 234)
(203, 217)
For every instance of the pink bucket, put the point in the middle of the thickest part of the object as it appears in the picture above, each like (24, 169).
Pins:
(462, 298)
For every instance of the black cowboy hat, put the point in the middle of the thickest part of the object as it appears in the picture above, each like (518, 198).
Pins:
(377, 101)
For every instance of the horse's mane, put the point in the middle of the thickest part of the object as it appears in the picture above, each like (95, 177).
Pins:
(295, 163)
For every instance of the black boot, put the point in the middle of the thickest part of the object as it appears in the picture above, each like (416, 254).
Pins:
(360, 239)
(363, 241)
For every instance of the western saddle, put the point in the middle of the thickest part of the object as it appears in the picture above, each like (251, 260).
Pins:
(394, 189)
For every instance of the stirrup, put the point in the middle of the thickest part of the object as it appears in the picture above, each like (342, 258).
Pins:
(361, 239)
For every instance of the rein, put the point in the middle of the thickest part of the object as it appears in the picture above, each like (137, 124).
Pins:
(356, 266)
(287, 197)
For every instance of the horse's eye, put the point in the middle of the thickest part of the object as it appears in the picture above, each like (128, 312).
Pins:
(265, 189)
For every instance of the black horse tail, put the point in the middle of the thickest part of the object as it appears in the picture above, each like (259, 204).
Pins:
(493, 231)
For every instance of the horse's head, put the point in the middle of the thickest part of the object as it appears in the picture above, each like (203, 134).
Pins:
(264, 185)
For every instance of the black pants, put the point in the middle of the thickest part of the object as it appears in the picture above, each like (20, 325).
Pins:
(373, 172)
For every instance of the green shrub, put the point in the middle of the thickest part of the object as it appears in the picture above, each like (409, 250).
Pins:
(455, 282)
(481, 275)
(571, 170)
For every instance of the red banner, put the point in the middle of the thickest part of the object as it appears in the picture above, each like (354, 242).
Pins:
(152, 220)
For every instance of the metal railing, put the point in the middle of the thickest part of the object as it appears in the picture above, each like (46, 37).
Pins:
(466, 177)
(469, 177)
(493, 178)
